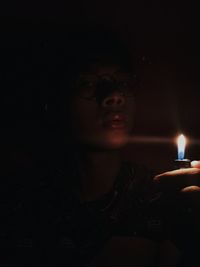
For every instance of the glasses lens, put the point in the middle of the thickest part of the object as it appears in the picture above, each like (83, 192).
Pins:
(88, 86)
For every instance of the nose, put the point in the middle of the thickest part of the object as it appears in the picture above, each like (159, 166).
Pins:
(114, 100)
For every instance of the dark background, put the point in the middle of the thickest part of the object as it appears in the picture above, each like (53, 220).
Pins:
(165, 34)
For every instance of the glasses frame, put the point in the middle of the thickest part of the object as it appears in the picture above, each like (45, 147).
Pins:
(114, 79)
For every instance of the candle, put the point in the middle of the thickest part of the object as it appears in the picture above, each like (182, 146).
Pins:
(181, 162)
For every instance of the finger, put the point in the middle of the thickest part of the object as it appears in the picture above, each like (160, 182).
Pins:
(191, 189)
(191, 198)
(178, 179)
(179, 172)
(195, 163)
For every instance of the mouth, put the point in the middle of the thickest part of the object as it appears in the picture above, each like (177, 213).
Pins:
(115, 120)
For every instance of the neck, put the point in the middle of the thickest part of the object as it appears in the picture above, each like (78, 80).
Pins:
(99, 172)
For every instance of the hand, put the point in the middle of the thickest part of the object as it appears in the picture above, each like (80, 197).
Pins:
(181, 180)
(181, 189)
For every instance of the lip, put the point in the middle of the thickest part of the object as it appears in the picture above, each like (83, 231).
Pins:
(115, 120)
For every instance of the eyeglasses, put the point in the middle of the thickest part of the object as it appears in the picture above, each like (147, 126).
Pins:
(91, 87)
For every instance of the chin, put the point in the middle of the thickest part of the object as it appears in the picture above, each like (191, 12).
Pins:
(108, 142)
(117, 141)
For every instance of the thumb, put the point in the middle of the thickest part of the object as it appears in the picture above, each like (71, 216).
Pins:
(195, 164)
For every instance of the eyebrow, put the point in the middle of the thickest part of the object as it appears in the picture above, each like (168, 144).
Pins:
(114, 75)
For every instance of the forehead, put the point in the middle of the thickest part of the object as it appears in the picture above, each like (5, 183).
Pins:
(105, 72)
(101, 69)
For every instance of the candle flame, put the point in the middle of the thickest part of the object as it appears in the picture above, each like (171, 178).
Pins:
(181, 141)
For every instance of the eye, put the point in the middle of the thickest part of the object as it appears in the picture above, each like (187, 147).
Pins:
(84, 83)
(126, 87)
(123, 84)
(86, 89)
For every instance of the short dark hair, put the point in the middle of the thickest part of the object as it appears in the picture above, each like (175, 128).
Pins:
(75, 50)
(81, 47)
(98, 44)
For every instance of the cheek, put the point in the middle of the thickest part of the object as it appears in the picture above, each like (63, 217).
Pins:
(84, 116)
(130, 110)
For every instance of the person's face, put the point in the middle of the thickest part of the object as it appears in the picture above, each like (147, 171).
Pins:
(103, 107)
